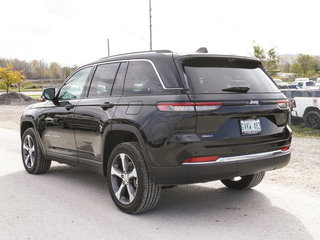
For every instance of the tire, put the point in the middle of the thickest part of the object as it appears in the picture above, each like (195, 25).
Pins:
(312, 119)
(245, 182)
(131, 188)
(168, 186)
(32, 157)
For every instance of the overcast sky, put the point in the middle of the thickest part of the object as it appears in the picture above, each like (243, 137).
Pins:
(75, 32)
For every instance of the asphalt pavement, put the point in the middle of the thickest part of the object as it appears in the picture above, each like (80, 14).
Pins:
(72, 203)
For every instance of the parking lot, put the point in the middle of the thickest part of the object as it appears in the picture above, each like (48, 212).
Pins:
(72, 203)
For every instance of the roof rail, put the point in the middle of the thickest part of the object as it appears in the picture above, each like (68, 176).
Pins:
(153, 51)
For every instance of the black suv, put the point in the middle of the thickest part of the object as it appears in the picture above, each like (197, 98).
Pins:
(151, 120)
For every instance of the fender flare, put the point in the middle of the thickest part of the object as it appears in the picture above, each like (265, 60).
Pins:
(30, 119)
(128, 128)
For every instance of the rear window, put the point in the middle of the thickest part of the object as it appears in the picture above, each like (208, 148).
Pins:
(212, 75)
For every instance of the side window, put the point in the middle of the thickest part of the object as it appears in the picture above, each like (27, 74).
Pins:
(142, 79)
(103, 79)
(119, 81)
(74, 87)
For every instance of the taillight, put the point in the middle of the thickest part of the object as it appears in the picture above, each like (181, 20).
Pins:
(208, 106)
(176, 107)
(283, 149)
(293, 102)
(202, 159)
(283, 103)
(189, 106)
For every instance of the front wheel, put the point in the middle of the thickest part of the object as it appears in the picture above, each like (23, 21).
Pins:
(32, 157)
(130, 186)
(244, 182)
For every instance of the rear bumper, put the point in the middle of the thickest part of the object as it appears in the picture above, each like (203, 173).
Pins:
(224, 168)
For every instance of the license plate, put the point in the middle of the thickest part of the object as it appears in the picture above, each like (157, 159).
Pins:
(250, 126)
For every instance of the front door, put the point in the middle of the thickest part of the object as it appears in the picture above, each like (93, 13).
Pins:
(57, 129)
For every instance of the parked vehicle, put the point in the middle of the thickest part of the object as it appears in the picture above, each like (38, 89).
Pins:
(155, 119)
(307, 85)
(277, 81)
(293, 86)
(301, 80)
(318, 82)
(307, 107)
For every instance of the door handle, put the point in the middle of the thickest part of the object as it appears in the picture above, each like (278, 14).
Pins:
(106, 105)
(68, 106)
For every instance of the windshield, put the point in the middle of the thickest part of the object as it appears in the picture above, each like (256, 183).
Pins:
(215, 75)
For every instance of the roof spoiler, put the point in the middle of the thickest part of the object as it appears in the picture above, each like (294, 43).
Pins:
(202, 50)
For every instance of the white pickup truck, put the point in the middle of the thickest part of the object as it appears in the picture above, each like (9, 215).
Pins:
(306, 105)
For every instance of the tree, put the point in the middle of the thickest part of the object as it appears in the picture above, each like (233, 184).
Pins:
(55, 70)
(269, 61)
(37, 69)
(305, 66)
(258, 52)
(8, 77)
(286, 67)
(68, 71)
(272, 61)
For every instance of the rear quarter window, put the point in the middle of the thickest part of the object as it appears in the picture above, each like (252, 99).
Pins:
(141, 79)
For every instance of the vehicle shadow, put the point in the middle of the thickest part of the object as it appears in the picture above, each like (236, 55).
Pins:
(66, 195)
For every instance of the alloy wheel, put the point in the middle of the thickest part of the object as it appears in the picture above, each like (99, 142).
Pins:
(124, 178)
(28, 151)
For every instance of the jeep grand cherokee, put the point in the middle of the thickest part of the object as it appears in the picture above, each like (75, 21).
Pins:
(150, 120)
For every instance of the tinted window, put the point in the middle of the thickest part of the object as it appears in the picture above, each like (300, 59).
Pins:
(142, 79)
(74, 87)
(118, 83)
(210, 75)
(309, 83)
(103, 79)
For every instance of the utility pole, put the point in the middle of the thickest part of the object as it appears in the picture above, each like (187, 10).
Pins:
(108, 47)
(150, 21)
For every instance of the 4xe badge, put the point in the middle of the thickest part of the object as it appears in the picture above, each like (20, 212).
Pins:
(253, 102)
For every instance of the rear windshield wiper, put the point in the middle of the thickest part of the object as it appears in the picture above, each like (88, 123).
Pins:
(239, 89)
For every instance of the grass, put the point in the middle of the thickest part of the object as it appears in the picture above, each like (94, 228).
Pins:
(300, 130)
(23, 90)
(37, 97)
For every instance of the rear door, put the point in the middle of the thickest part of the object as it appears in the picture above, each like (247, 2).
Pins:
(94, 112)
(235, 100)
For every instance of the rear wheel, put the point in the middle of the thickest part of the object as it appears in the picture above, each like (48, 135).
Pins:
(32, 157)
(312, 119)
(244, 182)
(131, 188)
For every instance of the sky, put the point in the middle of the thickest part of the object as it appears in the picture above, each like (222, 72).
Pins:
(75, 32)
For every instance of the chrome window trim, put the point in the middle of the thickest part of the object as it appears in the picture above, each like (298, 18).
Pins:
(240, 158)
(138, 60)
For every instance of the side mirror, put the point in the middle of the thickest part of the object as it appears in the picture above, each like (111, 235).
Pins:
(49, 93)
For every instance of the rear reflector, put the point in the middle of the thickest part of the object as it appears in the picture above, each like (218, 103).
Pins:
(189, 106)
(283, 103)
(202, 159)
(285, 148)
